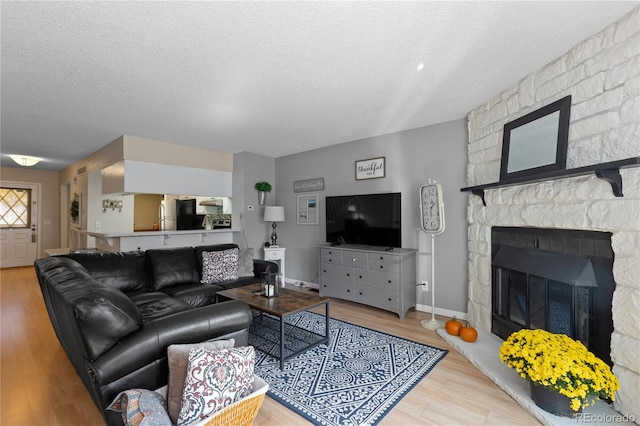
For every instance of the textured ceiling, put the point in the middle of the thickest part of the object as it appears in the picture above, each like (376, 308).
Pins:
(273, 78)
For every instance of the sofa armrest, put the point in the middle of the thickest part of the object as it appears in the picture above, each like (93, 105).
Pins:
(149, 344)
(260, 266)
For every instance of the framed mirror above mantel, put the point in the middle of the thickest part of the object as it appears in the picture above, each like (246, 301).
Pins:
(537, 142)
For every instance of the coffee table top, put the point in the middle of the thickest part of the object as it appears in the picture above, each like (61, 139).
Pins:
(286, 303)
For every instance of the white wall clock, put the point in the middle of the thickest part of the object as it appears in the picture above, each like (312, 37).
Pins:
(432, 208)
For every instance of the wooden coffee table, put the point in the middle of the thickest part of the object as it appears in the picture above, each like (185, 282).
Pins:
(287, 303)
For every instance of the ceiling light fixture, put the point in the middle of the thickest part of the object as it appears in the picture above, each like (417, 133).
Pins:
(25, 160)
(420, 67)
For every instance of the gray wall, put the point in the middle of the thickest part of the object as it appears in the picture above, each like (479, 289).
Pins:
(412, 157)
(248, 169)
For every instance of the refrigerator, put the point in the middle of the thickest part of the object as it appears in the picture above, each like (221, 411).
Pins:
(167, 213)
(186, 217)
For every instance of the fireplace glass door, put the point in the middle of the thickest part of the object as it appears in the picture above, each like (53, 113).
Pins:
(528, 301)
(565, 288)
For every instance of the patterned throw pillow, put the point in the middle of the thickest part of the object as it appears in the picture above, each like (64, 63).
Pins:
(219, 266)
(178, 358)
(215, 379)
(141, 407)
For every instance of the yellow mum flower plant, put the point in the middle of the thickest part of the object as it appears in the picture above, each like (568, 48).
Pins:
(560, 363)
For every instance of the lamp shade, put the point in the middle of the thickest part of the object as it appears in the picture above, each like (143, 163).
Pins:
(274, 214)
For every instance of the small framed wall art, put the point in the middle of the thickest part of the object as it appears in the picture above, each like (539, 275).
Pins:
(371, 168)
(307, 185)
(308, 209)
(537, 142)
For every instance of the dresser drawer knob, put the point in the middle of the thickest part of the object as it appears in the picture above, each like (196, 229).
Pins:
(348, 275)
(360, 276)
(389, 299)
(354, 259)
(381, 258)
(330, 260)
(360, 293)
(381, 267)
(389, 281)
(348, 291)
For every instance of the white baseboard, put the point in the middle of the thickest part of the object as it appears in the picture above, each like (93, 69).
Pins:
(444, 312)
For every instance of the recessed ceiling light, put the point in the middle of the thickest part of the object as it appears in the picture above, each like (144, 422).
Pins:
(420, 67)
(25, 160)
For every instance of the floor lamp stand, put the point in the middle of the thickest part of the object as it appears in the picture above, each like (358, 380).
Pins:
(433, 323)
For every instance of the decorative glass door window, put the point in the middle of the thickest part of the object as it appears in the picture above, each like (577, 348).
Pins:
(15, 208)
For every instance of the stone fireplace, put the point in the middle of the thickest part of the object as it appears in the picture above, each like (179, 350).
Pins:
(602, 74)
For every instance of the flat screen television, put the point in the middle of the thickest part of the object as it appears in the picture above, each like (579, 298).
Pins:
(369, 219)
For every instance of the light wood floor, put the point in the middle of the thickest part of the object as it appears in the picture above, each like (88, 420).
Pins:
(38, 385)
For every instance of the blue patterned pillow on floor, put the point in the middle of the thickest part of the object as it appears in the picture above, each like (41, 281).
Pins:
(141, 407)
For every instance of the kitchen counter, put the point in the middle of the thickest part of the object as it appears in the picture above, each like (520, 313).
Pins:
(128, 241)
(142, 233)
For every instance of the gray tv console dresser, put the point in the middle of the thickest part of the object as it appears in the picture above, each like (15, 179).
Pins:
(369, 275)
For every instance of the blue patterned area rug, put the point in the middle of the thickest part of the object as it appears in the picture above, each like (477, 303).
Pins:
(355, 380)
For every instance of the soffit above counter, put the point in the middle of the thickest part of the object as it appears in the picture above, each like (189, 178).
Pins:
(127, 147)
(141, 177)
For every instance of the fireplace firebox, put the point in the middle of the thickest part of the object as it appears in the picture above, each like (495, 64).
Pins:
(554, 279)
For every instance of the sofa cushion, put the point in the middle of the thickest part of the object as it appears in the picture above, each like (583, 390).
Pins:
(125, 271)
(240, 282)
(161, 307)
(171, 267)
(219, 265)
(195, 294)
(150, 296)
(104, 314)
(178, 357)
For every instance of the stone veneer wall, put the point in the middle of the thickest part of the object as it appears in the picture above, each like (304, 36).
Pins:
(603, 76)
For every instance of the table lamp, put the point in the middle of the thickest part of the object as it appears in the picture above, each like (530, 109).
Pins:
(274, 214)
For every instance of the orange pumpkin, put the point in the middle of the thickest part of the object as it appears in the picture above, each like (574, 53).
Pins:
(468, 333)
(453, 327)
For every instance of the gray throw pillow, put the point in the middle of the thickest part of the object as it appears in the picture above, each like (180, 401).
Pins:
(245, 262)
(178, 357)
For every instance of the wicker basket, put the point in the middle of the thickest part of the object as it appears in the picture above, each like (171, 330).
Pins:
(239, 413)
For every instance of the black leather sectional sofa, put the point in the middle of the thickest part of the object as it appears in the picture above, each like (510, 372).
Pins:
(115, 314)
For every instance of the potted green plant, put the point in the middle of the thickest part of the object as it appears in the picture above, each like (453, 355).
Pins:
(262, 187)
(558, 368)
(74, 210)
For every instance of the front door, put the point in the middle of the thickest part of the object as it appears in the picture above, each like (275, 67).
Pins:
(18, 223)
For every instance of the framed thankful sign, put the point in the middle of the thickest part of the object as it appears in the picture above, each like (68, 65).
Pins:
(371, 168)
